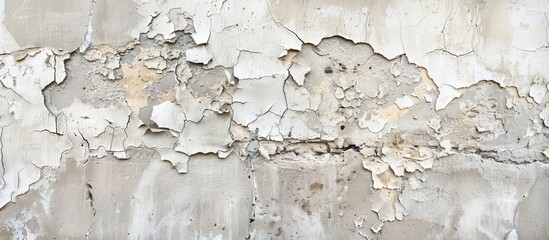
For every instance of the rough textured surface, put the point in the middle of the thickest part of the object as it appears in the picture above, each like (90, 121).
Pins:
(274, 119)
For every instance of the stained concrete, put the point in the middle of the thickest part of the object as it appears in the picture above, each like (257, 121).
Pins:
(274, 120)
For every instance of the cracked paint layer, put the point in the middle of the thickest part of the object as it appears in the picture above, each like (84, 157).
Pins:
(280, 119)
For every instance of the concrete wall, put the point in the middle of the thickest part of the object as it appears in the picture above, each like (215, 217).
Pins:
(274, 119)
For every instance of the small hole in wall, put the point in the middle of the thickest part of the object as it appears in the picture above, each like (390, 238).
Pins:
(342, 127)
(328, 70)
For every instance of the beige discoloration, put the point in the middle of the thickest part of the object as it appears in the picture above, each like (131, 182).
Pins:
(136, 78)
(169, 96)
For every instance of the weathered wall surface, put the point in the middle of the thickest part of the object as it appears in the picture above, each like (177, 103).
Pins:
(274, 119)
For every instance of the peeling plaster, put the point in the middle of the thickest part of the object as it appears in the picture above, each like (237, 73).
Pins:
(281, 119)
